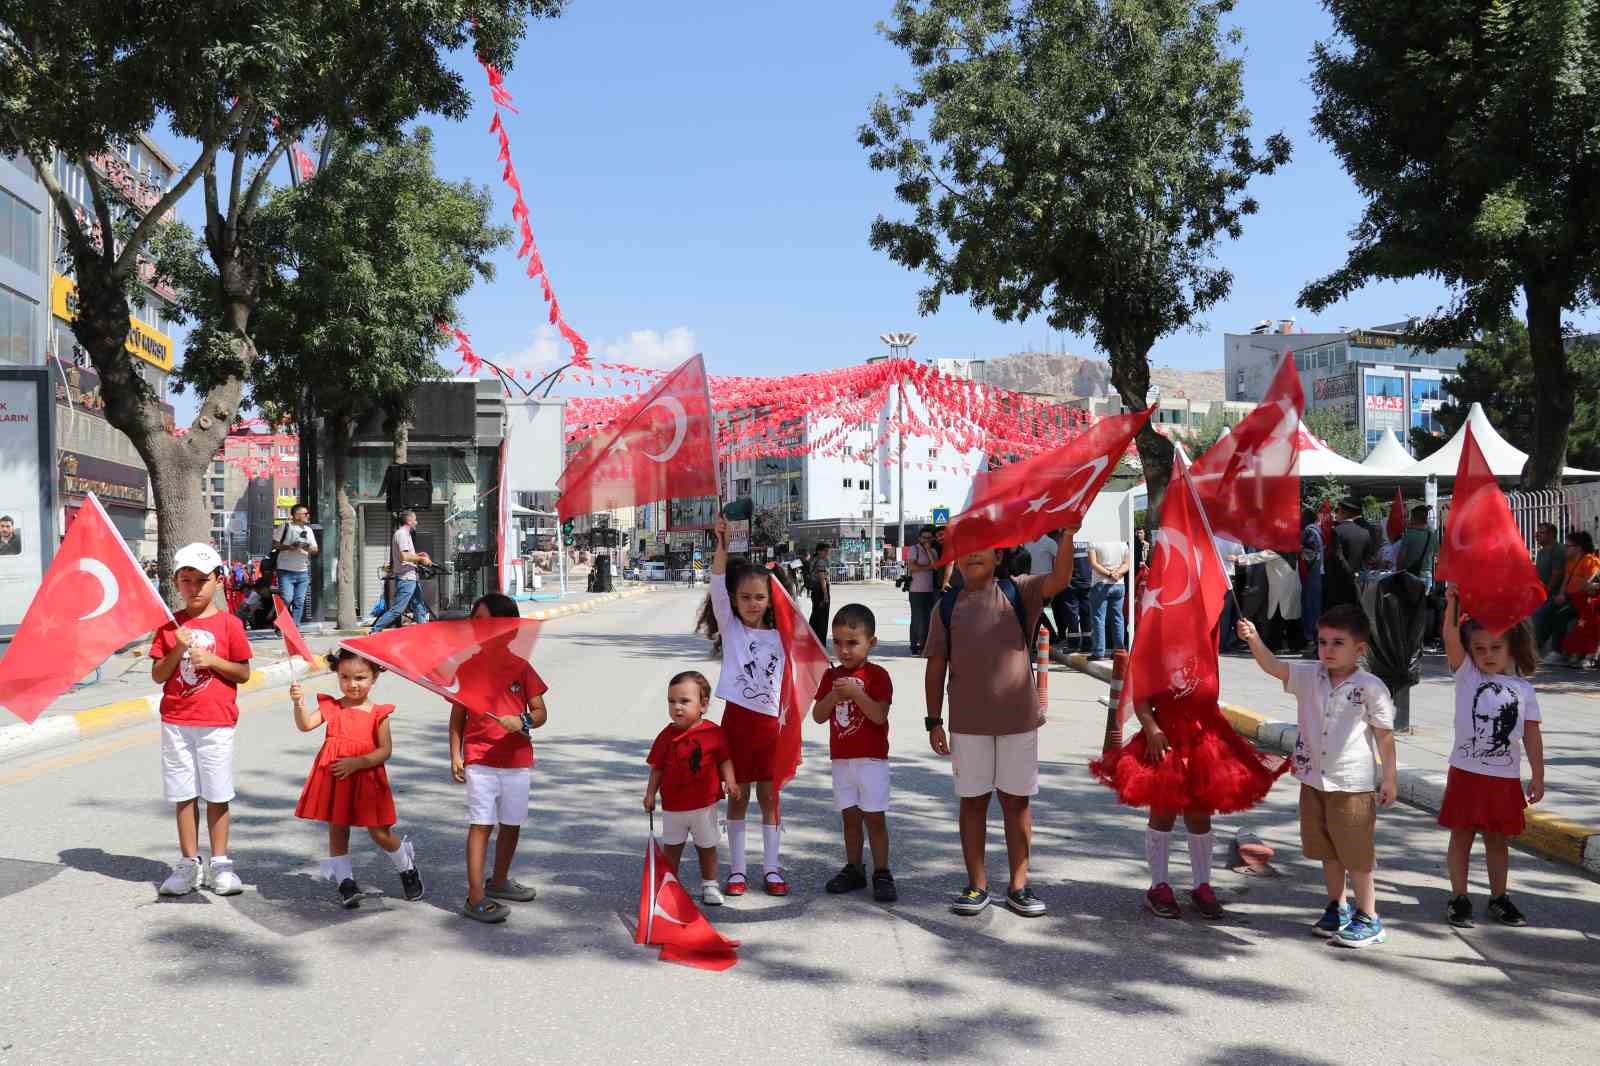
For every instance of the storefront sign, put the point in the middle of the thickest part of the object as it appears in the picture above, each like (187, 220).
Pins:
(116, 485)
(697, 512)
(1385, 403)
(1333, 388)
(144, 340)
(27, 511)
(1363, 339)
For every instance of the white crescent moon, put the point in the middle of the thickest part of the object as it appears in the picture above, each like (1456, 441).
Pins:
(108, 586)
(680, 427)
(453, 687)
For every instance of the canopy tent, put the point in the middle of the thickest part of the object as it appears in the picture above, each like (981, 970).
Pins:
(1317, 460)
(1505, 460)
(1390, 456)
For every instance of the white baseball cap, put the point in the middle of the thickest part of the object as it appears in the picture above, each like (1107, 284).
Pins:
(197, 556)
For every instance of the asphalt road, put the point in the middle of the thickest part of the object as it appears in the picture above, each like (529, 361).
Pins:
(94, 967)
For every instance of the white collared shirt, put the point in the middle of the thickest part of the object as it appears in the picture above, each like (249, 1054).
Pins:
(1336, 750)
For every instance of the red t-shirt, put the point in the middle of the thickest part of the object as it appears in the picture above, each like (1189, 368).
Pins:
(851, 734)
(688, 761)
(200, 697)
(485, 743)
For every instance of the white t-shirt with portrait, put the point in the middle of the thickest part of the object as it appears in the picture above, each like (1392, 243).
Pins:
(1491, 710)
(752, 659)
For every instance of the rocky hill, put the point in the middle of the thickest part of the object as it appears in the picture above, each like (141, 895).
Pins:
(1069, 376)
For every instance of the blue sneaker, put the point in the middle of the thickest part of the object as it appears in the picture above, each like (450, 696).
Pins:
(1363, 931)
(1335, 918)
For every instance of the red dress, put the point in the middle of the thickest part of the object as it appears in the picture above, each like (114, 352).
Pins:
(1208, 767)
(361, 799)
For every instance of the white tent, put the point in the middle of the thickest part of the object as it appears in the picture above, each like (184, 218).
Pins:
(1389, 457)
(1316, 459)
(1505, 460)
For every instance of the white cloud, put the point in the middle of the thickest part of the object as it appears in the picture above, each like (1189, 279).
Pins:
(544, 352)
(646, 347)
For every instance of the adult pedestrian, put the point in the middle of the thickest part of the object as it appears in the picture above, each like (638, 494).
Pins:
(296, 542)
(1349, 553)
(403, 560)
(1041, 561)
(1418, 546)
(819, 586)
(1071, 606)
(1312, 553)
(1550, 560)
(1108, 564)
(925, 586)
(1560, 612)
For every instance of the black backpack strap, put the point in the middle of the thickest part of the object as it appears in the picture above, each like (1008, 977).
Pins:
(1009, 589)
(947, 610)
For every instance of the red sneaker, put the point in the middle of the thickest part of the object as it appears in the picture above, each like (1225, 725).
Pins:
(776, 885)
(735, 887)
(1205, 901)
(1161, 902)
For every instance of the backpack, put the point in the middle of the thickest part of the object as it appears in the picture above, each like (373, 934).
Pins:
(1008, 588)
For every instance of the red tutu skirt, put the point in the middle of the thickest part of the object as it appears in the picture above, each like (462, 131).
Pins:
(752, 742)
(1482, 803)
(1207, 767)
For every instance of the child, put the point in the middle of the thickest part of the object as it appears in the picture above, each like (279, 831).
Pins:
(691, 767)
(199, 664)
(854, 699)
(983, 635)
(491, 750)
(348, 785)
(1497, 716)
(739, 618)
(1346, 718)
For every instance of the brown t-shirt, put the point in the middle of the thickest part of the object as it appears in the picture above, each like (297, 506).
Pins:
(990, 686)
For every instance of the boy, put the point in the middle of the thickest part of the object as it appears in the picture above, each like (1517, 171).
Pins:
(854, 698)
(691, 767)
(1346, 719)
(983, 636)
(491, 752)
(200, 663)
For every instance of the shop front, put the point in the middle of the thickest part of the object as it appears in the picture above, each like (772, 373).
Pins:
(123, 490)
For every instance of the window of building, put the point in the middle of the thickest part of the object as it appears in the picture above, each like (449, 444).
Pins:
(216, 467)
(933, 485)
(19, 232)
(218, 520)
(216, 502)
(741, 486)
(17, 314)
(849, 482)
(866, 485)
(216, 484)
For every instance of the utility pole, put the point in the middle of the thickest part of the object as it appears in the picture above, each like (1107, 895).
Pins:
(900, 350)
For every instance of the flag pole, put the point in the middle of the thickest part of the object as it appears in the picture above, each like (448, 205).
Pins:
(1178, 456)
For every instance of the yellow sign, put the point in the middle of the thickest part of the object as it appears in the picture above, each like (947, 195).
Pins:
(144, 340)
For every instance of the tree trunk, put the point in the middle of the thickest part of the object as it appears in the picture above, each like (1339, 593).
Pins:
(402, 440)
(1130, 373)
(346, 592)
(1553, 414)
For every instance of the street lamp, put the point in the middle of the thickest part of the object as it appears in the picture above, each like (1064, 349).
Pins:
(900, 348)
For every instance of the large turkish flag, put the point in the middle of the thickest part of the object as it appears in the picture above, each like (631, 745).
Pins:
(804, 663)
(668, 917)
(1247, 481)
(467, 661)
(93, 600)
(665, 449)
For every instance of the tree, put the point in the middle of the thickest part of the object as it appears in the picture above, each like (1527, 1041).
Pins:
(1330, 427)
(1498, 373)
(769, 526)
(1080, 160)
(1469, 126)
(1314, 494)
(1209, 431)
(245, 80)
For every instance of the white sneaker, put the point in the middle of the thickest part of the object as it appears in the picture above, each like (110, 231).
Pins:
(710, 894)
(221, 879)
(184, 878)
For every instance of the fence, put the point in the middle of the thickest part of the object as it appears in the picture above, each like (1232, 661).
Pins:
(1574, 507)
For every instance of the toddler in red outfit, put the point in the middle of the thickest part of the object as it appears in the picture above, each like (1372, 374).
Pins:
(691, 767)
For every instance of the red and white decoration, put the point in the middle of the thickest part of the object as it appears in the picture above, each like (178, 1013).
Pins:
(1248, 480)
(465, 660)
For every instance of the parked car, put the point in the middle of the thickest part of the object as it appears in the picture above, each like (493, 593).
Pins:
(655, 571)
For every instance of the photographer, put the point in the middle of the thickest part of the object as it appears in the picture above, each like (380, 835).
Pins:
(295, 543)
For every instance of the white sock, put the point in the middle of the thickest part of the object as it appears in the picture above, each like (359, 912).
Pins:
(1155, 853)
(704, 884)
(736, 847)
(770, 837)
(1200, 845)
(337, 868)
(403, 857)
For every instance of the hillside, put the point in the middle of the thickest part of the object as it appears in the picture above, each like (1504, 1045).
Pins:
(1068, 376)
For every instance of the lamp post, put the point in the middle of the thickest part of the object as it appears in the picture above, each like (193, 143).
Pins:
(900, 348)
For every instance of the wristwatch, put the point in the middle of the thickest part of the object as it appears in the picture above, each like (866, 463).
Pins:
(933, 723)
(527, 722)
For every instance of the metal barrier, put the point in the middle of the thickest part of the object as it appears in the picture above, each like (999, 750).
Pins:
(1574, 507)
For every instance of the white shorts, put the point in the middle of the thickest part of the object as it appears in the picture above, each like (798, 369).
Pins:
(861, 783)
(497, 794)
(983, 764)
(701, 824)
(197, 761)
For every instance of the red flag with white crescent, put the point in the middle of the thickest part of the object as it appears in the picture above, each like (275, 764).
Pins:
(283, 622)
(1248, 481)
(467, 661)
(669, 918)
(665, 449)
(94, 579)
(804, 662)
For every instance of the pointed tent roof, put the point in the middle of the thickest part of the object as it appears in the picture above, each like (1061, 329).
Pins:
(1316, 459)
(1504, 460)
(1390, 456)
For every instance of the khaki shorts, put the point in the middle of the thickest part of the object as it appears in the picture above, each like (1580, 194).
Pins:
(1339, 826)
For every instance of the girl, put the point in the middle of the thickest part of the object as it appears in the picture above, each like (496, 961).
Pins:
(348, 785)
(738, 619)
(1497, 716)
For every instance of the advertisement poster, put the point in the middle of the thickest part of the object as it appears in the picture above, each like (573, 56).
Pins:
(1385, 402)
(27, 539)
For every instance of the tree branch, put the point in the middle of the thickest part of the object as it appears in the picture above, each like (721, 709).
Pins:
(236, 180)
(102, 213)
(76, 238)
(252, 199)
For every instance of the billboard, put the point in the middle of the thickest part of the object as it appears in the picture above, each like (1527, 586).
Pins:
(1384, 404)
(27, 500)
(534, 434)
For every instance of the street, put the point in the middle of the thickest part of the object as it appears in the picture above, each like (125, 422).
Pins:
(98, 969)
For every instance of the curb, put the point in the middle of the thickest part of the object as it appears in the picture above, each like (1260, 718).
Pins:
(60, 730)
(1552, 836)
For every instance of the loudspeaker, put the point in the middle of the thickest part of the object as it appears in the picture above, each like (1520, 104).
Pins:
(408, 486)
(423, 543)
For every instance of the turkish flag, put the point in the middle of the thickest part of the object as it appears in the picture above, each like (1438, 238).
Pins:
(467, 661)
(1397, 515)
(283, 622)
(1174, 649)
(1023, 501)
(669, 918)
(665, 449)
(1483, 552)
(804, 662)
(93, 578)
(1247, 481)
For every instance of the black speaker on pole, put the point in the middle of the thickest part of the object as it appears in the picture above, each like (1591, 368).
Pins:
(408, 486)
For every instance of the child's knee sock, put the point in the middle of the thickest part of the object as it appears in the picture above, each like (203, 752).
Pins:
(736, 847)
(1200, 845)
(1155, 853)
(404, 857)
(337, 868)
(770, 836)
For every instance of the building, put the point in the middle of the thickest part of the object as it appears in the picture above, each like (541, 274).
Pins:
(1176, 416)
(24, 266)
(250, 487)
(1375, 379)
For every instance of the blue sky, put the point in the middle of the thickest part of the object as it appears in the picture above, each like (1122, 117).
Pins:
(696, 185)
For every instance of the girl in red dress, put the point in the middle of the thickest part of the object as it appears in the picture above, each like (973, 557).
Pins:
(348, 785)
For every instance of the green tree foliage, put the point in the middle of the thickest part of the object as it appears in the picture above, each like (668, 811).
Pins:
(1498, 373)
(1469, 125)
(243, 81)
(769, 526)
(1077, 160)
(1331, 428)
(1209, 431)
(1314, 494)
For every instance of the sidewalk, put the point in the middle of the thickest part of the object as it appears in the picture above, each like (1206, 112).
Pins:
(1565, 826)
